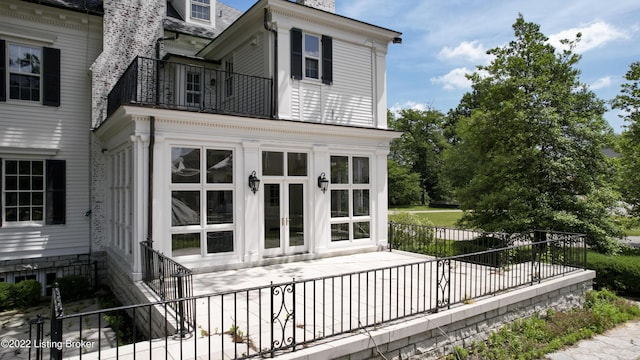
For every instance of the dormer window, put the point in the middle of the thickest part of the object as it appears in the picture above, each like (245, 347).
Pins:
(201, 10)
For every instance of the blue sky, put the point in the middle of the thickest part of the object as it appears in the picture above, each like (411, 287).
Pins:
(444, 39)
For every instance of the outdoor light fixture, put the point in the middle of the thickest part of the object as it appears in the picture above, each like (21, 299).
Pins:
(323, 183)
(254, 182)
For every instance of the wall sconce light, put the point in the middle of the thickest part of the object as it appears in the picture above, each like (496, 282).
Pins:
(323, 183)
(254, 182)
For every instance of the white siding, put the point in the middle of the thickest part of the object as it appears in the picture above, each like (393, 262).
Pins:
(65, 129)
(349, 100)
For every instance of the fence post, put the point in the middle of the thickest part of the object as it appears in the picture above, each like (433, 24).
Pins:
(179, 275)
(390, 236)
(39, 322)
(56, 323)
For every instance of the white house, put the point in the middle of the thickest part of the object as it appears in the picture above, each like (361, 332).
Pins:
(227, 139)
(45, 87)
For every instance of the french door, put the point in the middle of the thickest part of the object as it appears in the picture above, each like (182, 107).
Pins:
(284, 218)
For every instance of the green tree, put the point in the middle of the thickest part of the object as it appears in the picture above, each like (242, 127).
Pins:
(404, 187)
(420, 148)
(629, 102)
(529, 144)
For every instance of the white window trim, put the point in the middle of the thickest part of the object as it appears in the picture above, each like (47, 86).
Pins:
(305, 56)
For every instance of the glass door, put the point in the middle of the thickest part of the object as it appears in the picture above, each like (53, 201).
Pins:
(284, 218)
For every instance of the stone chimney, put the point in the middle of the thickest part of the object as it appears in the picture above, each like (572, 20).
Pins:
(326, 5)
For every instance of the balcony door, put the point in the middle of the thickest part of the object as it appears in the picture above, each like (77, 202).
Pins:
(284, 218)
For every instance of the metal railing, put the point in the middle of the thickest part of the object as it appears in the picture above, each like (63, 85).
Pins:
(178, 86)
(170, 281)
(48, 275)
(268, 320)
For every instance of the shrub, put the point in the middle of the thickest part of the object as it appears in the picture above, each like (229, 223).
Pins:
(619, 273)
(7, 296)
(27, 293)
(74, 287)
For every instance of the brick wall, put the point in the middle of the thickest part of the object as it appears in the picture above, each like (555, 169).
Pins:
(326, 5)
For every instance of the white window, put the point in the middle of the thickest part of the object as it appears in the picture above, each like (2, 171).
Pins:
(311, 56)
(194, 88)
(24, 72)
(202, 200)
(24, 191)
(350, 198)
(200, 10)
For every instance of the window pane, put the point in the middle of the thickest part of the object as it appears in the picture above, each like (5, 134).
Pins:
(219, 166)
(360, 170)
(185, 208)
(361, 230)
(297, 164)
(23, 59)
(220, 207)
(11, 167)
(272, 163)
(311, 68)
(220, 241)
(185, 165)
(312, 46)
(185, 244)
(339, 170)
(339, 232)
(339, 203)
(360, 202)
(24, 87)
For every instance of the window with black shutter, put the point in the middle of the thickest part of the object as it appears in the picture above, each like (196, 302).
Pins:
(327, 60)
(296, 54)
(3, 70)
(56, 192)
(29, 73)
(51, 77)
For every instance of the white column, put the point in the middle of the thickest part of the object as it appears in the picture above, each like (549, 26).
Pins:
(139, 159)
(250, 248)
(381, 204)
(321, 231)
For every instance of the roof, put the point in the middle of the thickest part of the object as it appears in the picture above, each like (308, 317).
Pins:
(225, 16)
(93, 7)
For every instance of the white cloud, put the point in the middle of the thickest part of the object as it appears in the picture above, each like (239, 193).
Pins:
(395, 109)
(471, 51)
(601, 83)
(454, 79)
(593, 36)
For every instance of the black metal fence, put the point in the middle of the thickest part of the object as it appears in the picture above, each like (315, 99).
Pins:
(47, 275)
(188, 87)
(267, 320)
(170, 281)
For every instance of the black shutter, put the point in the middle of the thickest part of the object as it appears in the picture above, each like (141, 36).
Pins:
(3, 71)
(327, 60)
(56, 192)
(1, 189)
(51, 76)
(296, 54)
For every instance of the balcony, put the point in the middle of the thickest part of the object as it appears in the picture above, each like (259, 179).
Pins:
(186, 87)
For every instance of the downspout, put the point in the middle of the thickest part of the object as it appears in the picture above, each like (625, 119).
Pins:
(274, 98)
(152, 140)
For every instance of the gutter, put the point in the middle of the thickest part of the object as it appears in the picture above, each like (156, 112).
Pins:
(274, 91)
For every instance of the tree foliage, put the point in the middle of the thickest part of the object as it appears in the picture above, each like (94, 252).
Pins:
(529, 140)
(420, 148)
(629, 102)
(404, 187)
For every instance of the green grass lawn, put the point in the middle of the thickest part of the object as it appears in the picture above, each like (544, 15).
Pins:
(448, 217)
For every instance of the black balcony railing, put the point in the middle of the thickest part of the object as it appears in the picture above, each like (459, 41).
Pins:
(170, 281)
(178, 86)
(267, 320)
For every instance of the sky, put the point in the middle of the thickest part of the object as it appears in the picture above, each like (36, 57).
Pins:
(445, 39)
